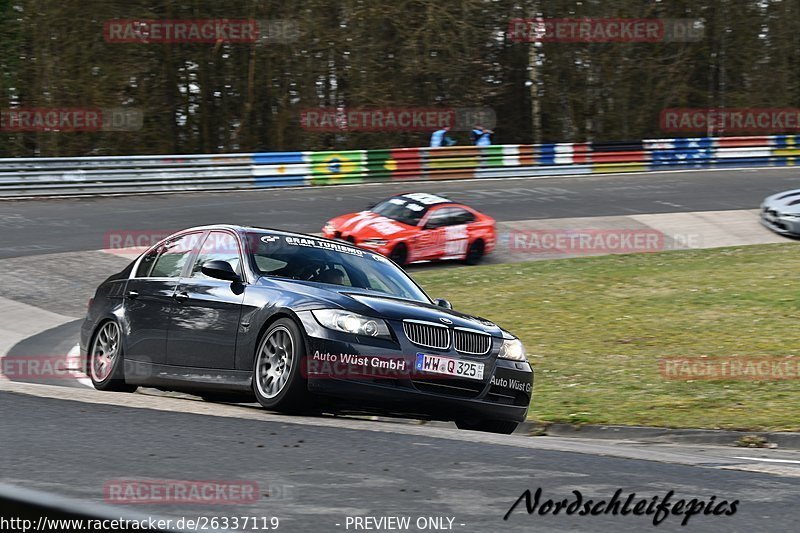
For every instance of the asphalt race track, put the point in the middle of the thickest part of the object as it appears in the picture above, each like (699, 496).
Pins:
(315, 472)
(33, 227)
(312, 477)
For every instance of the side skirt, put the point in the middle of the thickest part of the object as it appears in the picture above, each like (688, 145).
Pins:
(186, 378)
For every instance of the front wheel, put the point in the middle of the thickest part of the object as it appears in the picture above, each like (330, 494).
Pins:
(474, 252)
(399, 254)
(278, 382)
(489, 426)
(105, 362)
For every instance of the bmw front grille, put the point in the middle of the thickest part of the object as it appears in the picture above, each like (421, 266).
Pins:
(427, 334)
(430, 335)
(471, 342)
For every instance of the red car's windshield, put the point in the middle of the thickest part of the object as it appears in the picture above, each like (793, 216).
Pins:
(401, 209)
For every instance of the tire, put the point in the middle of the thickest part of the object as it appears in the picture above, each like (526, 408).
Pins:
(105, 362)
(399, 254)
(489, 426)
(278, 382)
(474, 252)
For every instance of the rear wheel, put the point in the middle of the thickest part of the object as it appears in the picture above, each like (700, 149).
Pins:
(474, 252)
(105, 362)
(399, 254)
(489, 426)
(278, 382)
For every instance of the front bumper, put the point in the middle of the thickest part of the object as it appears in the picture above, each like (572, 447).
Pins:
(779, 223)
(355, 373)
(335, 234)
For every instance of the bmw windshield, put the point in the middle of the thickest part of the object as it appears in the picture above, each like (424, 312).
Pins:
(401, 209)
(321, 261)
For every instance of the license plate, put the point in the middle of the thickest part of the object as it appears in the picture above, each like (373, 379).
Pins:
(449, 366)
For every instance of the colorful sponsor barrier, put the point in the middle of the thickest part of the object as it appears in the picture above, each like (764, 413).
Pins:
(273, 169)
(336, 168)
(103, 175)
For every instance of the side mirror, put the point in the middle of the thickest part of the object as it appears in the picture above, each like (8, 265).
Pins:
(441, 302)
(219, 270)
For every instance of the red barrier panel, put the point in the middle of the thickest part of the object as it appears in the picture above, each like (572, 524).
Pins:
(408, 164)
(725, 142)
(582, 153)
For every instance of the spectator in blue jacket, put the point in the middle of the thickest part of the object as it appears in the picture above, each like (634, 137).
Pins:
(481, 136)
(440, 138)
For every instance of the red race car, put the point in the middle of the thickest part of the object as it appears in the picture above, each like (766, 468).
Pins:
(418, 227)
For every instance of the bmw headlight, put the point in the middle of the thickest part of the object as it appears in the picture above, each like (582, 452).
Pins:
(328, 227)
(341, 320)
(512, 349)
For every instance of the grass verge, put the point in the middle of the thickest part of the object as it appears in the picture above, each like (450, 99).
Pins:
(595, 330)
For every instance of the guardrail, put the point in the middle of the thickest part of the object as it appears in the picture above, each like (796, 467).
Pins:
(128, 174)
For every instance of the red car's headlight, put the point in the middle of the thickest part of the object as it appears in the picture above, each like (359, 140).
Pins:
(374, 242)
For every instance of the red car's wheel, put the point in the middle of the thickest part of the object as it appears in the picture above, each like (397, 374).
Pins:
(399, 254)
(474, 252)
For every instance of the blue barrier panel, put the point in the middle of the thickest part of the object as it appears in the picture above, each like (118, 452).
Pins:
(546, 154)
(694, 142)
(738, 162)
(274, 158)
(786, 141)
(787, 161)
(280, 169)
(271, 181)
(693, 158)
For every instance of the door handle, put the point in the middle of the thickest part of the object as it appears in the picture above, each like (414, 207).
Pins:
(133, 294)
(181, 296)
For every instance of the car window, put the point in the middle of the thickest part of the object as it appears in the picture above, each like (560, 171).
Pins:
(147, 262)
(174, 255)
(333, 273)
(269, 265)
(376, 284)
(218, 246)
(401, 209)
(309, 259)
(438, 218)
(459, 215)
